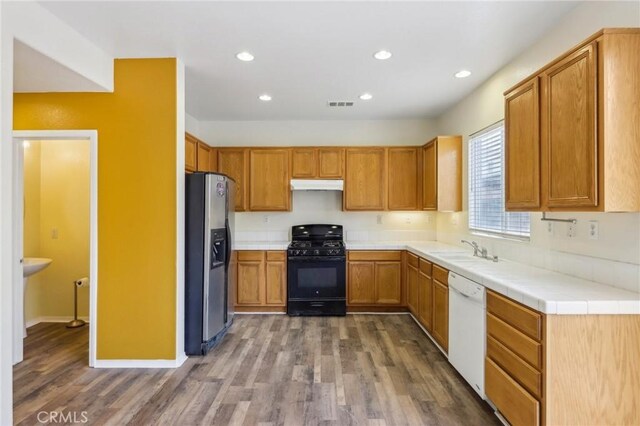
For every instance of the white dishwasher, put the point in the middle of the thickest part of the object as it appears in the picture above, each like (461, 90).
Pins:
(467, 325)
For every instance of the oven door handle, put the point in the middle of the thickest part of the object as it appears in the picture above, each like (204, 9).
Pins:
(317, 258)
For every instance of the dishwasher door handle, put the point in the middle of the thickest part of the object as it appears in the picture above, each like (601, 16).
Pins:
(459, 292)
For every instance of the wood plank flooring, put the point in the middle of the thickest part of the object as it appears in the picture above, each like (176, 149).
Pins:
(268, 370)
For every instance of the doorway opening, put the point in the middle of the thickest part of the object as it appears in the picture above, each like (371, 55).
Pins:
(55, 202)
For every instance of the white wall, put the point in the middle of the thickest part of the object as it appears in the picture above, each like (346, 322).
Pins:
(321, 132)
(326, 207)
(619, 233)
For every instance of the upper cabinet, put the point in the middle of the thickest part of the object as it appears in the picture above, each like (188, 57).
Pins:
(365, 179)
(442, 174)
(572, 130)
(233, 162)
(269, 181)
(522, 154)
(317, 163)
(198, 156)
(404, 178)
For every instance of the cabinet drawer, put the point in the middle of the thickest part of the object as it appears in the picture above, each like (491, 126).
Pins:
(276, 255)
(522, 345)
(512, 400)
(440, 274)
(257, 255)
(425, 267)
(524, 319)
(412, 259)
(523, 373)
(375, 255)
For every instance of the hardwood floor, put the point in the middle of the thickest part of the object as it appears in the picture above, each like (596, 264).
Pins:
(269, 369)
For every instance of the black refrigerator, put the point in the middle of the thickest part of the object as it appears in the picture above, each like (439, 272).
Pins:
(209, 229)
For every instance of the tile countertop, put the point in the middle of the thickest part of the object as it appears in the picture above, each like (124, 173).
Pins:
(543, 290)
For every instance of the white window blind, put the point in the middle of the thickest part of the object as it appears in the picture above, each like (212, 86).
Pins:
(486, 187)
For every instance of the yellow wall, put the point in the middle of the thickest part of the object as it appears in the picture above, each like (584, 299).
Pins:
(136, 200)
(62, 199)
(31, 244)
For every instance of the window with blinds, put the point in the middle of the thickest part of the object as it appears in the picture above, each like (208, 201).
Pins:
(486, 187)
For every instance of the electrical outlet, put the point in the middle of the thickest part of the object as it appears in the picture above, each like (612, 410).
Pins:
(265, 218)
(550, 227)
(54, 233)
(379, 219)
(407, 219)
(428, 219)
(594, 232)
(454, 219)
(571, 230)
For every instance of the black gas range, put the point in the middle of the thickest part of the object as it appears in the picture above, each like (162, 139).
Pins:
(316, 271)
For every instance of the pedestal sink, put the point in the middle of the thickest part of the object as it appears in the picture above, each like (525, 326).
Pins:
(30, 266)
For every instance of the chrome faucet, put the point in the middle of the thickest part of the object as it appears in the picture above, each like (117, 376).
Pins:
(474, 245)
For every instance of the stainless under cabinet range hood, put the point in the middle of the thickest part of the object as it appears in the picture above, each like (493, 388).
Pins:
(317, 184)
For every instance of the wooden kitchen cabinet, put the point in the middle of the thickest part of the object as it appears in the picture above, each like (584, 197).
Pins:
(276, 278)
(442, 174)
(330, 163)
(403, 178)
(412, 283)
(197, 155)
(261, 279)
(440, 329)
(190, 153)
(374, 278)
(304, 163)
(269, 181)
(522, 153)
(233, 162)
(365, 179)
(425, 296)
(317, 163)
(587, 127)
(251, 278)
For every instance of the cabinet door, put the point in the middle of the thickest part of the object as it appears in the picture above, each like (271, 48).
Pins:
(425, 301)
(204, 162)
(276, 276)
(412, 289)
(571, 178)
(365, 179)
(403, 178)
(190, 153)
(269, 183)
(361, 283)
(388, 278)
(522, 147)
(233, 163)
(440, 329)
(304, 163)
(250, 283)
(213, 160)
(430, 176)
(330, 163)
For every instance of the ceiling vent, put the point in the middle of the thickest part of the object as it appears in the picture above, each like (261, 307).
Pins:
(340, 103)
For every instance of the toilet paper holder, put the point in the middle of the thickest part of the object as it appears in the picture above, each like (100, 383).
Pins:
(75, 323)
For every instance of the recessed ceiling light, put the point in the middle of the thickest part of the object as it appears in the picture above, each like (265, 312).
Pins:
(382, 55)
(462, 74)
(245, 56)
(366, 96)
(265, 97)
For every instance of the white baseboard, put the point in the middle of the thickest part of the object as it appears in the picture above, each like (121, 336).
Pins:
(141, 363)
(38, 320)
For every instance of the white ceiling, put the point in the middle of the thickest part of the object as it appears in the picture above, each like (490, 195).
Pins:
(35, 72)
(310, 52)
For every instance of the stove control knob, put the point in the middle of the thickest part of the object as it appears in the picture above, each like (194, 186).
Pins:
(304, 252)
(316, 252)
(297, 252)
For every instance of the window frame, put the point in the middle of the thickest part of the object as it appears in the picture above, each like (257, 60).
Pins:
(474, 228)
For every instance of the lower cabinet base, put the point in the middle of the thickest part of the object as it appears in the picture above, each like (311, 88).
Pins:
(316, 308)
(260, 309)
(377, 309)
